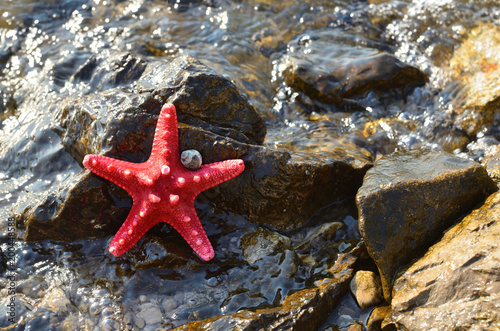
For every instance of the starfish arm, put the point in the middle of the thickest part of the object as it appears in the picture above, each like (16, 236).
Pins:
(135, 226)
(189, 227)
(122, 173)
(213, 174)
(166, 139)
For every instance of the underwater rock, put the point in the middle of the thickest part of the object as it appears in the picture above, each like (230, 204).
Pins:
(409, 198)
(456, 284)
(303, 310)
(329, 67)
(261, 243)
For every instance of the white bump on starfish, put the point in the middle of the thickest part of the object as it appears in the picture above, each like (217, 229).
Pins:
(142, 213)
(186, 219)
(174, 199)
(121, 241)
(127, 172)
(194, 233)
(110, 167)
(196, 179)
(154, 198)
(130, 231)
(207, 176)
(181, 181)
(144, 179)
(165, 169)
(199, 242)
(94, 162)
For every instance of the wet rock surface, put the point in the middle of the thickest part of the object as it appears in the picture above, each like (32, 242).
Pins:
(366, 289)
(282, 189)
(377, 319)
(456, 283)
(302, 310)
(91, 76)
(409, 198)
(477, 68)
(333, 68)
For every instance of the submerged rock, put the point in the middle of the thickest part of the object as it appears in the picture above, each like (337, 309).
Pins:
(304, 310)
(409, 198)
(263, 242)
(332, 68)
(456, 284)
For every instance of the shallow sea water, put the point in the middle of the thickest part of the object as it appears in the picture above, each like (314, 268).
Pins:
(65, 285)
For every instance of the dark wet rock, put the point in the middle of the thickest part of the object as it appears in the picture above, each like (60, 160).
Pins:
(325, 68)
(204, 99)
(97, 211)
(456, 284)
(366, 289)
(304, 310)
(285, 189)
(281, 189)
(120, 123)
(409, 198)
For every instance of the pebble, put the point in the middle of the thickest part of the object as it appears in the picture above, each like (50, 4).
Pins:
(109, 324)
(168, 305)
(150, 313)
(191, 159)
(366, 288)
(139, 322)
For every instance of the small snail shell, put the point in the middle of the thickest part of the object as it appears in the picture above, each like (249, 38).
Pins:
(191, 159)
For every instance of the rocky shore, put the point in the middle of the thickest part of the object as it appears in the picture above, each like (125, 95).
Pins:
(369, 199)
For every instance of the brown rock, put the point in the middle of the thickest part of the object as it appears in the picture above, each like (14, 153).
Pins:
(409, 198)
(476, 66)
(492, 163)
(377, 317)
(366, 288)
(456, 285)
(355, 327)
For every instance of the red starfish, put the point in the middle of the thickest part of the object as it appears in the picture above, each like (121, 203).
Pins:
(162, 189)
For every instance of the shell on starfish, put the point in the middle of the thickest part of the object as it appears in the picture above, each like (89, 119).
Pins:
(162, 189)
